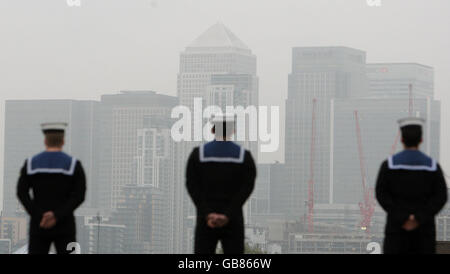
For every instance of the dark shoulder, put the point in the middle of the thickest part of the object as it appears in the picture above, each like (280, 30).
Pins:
(439, 168)
(78, 164)
(23, 170)
(248, 157)
(384, 167)
(385, 164)
(195, 153)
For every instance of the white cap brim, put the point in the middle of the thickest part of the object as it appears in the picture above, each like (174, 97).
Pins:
(54, 126)
(411, 121)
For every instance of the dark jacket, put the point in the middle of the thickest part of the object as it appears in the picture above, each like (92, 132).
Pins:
(58, 184)
(220, 176)
(411, 183)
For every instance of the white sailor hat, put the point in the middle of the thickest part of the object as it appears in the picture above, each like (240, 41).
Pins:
(411, 121)
(54, 127)
(223, 118)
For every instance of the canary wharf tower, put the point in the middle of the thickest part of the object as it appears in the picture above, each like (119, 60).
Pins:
(217, 62)
(221, 70)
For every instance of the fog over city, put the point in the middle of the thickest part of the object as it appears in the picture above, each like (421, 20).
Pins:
(54, 50)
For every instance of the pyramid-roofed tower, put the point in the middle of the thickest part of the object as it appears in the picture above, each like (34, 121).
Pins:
(219, 69)
(217, 36)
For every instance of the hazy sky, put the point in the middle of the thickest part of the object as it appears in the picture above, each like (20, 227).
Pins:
(51, 50)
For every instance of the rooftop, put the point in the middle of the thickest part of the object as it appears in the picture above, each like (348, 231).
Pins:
(218, 36)
(398, 64)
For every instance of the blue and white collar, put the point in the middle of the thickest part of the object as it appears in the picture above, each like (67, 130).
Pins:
(412, 160)
(221, 151)
(51, 162)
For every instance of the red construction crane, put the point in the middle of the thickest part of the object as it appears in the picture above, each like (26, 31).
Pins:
(411, 109)
(367, 208)
(394, 146)
(311, 170)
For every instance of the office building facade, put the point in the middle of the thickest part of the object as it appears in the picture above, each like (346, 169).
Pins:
(319, 74)
(219, 69)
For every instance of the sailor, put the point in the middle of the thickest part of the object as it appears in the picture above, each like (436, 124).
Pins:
(411, 188)
(58, 186)
(220, 177)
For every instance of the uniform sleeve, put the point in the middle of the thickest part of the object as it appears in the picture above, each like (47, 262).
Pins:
(23, 194)
(193, 184)
(437, 199)
(76, 196)
(384, 196)
(249, 174)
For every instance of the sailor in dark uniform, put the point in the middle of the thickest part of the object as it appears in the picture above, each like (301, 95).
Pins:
(220, 177)
(411, 188)
(58, 186)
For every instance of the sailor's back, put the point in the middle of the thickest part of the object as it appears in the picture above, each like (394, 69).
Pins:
(224, 168)
(51, 176)
(58, 185)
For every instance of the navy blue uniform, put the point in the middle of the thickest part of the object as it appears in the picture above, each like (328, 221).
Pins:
(58, 184)
(410, 182)
(220, 177)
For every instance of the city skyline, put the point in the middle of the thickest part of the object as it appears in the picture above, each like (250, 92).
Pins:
(138, 71)
(340, 92)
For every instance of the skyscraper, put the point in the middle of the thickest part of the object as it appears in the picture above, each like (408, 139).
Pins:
(221, 70)
(145, 213)
(137, 152)
(126, 118)
(378, 128)
(260, 199)
(392, 80)
(396, 90)
(319, 74)
(216, 54)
